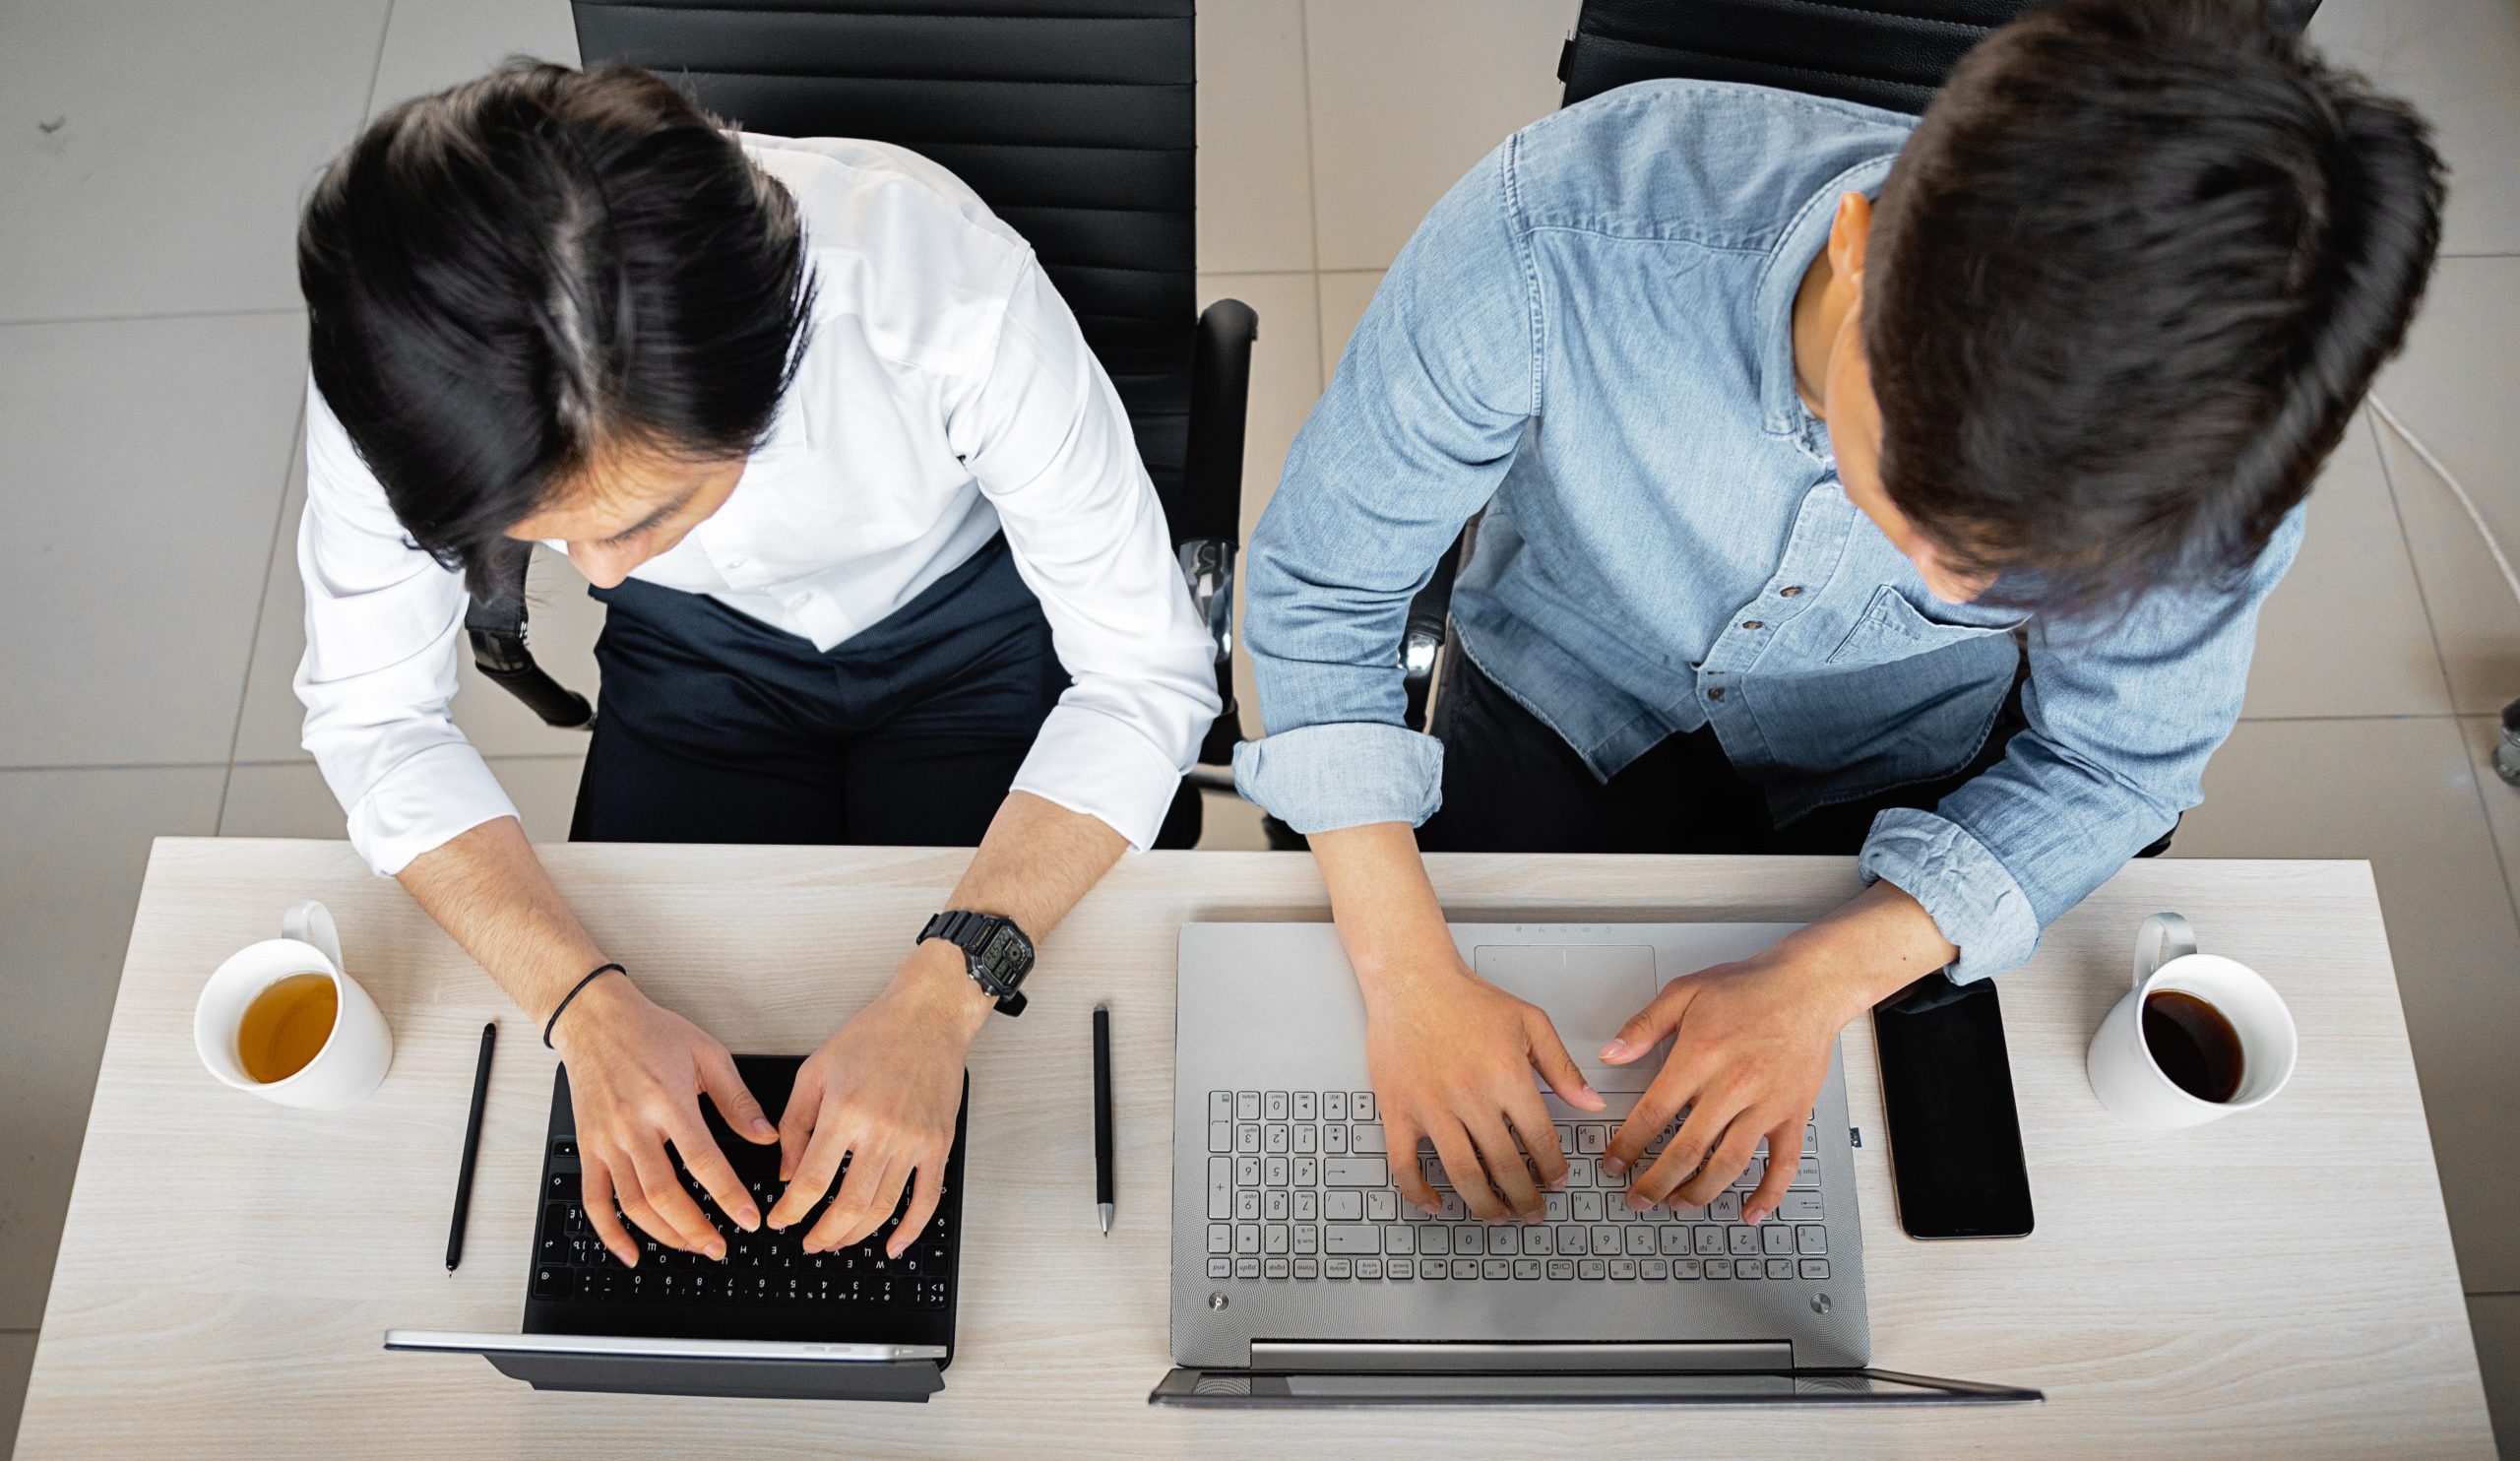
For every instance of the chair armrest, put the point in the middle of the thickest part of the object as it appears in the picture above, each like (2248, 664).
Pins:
(1220, 405)
(1421, 639)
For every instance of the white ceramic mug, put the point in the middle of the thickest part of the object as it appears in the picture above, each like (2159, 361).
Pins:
(354, 1056)
(2129, 1081)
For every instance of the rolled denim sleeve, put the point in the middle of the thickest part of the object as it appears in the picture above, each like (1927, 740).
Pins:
(2121, 719)
(1413, 436)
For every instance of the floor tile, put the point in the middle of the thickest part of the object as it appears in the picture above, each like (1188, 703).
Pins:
(2495, 1320)
(1231, 824)
(2458, 61)
(1286, 379)
(70, 868)
(155, 153)
(148, 458)
(1255, 166)
(289, 799)
(2453, 388)
(2402, 792)
(562, 624)
(2344, 634)
(1406, 95)
(431, 44)
(2501, 799)
(1343, 297)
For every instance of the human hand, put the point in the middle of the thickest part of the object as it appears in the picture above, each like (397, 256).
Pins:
(1750, 1049)
(636, 1074)
(882, 1093)
(1452, 1058)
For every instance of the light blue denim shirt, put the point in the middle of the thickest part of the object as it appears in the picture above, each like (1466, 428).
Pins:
(1588, 338)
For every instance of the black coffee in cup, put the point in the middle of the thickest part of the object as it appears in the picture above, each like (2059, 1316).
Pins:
(2193, 1044)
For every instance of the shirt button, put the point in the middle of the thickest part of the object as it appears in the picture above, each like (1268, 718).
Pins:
(1755, 623)
(1715, 694)
(1790, 591)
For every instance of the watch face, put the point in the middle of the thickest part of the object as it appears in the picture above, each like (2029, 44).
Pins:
(1005, 954)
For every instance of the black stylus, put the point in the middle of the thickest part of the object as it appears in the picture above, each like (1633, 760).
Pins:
(1102, 1116)
(471, 1147)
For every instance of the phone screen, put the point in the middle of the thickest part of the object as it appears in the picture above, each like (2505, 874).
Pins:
(1946, 1090)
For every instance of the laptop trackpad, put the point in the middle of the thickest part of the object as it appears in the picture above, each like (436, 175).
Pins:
(1588, 992)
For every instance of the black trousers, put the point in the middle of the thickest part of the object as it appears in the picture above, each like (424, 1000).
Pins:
(1513, 785)
(714, 726)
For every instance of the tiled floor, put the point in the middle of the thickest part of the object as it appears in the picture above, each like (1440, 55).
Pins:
(151, 156)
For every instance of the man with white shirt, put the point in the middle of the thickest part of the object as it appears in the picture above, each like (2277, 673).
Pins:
(881, 564)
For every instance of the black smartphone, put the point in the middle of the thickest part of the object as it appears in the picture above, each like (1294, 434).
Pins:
(1946, 1090)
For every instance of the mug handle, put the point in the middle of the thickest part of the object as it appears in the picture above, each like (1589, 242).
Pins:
(2165, 936)
(312, 923)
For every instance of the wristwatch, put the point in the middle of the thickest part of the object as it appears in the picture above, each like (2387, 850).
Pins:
(995, 953)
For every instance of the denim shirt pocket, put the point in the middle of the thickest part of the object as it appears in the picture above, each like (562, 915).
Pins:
(1892, 627)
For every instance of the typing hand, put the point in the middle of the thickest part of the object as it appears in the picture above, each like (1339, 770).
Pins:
(883, 1092)
(1452, 1058)
(1749, 1054)
(636, 1074)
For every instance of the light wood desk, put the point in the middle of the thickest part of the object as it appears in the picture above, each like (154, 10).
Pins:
(2278, 1285)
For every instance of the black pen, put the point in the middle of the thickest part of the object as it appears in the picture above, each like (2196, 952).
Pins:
(1102, 1116)
(471, 1147)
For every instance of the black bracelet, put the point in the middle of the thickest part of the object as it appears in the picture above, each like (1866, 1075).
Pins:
(593, 974)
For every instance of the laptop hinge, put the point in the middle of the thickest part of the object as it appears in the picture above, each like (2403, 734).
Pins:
(1296, 1355)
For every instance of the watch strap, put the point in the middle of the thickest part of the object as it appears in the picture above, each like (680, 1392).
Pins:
(970, 932)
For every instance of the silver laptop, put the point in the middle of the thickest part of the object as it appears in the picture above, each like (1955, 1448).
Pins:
(1298, 1276)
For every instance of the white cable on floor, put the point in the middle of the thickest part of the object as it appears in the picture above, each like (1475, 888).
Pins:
(2492, 544)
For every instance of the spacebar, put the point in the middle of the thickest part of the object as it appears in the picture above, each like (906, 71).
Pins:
(1354, 1172)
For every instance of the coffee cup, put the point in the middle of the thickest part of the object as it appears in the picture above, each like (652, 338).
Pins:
(2197, 1039)
(284, 1020)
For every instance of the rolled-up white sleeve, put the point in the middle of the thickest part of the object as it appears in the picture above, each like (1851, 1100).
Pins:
(1045, 436)
(384, 624)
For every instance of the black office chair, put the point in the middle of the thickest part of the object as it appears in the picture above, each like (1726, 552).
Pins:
(1075, 121)
(1885, 53)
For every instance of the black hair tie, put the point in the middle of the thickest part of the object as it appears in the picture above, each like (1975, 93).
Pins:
(593, 974)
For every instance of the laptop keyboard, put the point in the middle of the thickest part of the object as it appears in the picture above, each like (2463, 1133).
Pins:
(1299, 1188)
(759, 1267)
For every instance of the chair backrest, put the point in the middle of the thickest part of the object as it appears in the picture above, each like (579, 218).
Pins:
(1886, 53)
(1072, 119)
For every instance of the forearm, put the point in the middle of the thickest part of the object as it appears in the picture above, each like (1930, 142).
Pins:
(1867, 949)
(1034, 863)
(489, 892)
(1382, 902)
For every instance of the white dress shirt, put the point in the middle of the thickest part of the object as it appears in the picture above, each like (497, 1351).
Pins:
(945, 396)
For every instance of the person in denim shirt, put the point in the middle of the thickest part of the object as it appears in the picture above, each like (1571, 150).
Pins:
(1851, 483)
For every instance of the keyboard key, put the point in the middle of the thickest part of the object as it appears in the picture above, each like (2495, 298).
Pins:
(1246, 1138)
(1806, 1173)
(1605, 1240)
(1561, 1269)
(1449, 1209)
(1354, 1172)
(1219, 1106)
(1435, 1238)
(1334, 1140)
(1274, 1268)
(1801, 1207)
(1776, 1240)
(1742, 1242)
(554, 1282)
(1220, 1268)
(1338, 1268)
(1466, 1268)
(1274, 1107)
(1810, 1239)
(1579, 1172)
(1305, 1102)
(1399, 1239)
(1368, 1268)
(1504, 1239)
(1746, 1268)
(1591, 1140)
(1780, 1268)
(1554, 1205)
(1308, 1238)
(1307, 1206)
(1246, 1106)
(1307, 1173)
(1725, 1208)
(1586, 1206)
(1247, 1268)
(1275, 1206)
(1686, 1268)
(1246, 1206)
(1343, 1207)
(1351, 1237)
(1219, 1186)
(1718, 1268)
(1383, 1205)
(1709, 1241)
(1673, 1239)
(1220, 1136)
(1622, 1268)
(1655, 1268)
(1247, 1171)
(1537, 1241)
(1307, 1139)
(1219, 1238)
(1275, 1139)
(1366, 1139)
(1815, 1268)
(1592, 1268)
(1810, 1141)
(1496, 1268)
(1247, 1238)
(1361, 1106)
(1334, 1105)
(1306, 1268)
(1639, 1241)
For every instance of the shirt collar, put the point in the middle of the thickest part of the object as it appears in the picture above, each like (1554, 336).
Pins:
(1801, 242)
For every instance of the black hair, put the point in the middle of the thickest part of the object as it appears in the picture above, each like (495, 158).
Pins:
(511, 276)
(2126, 285)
